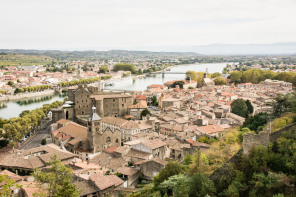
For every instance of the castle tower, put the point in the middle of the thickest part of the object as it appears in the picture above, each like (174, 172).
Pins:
(93, 128)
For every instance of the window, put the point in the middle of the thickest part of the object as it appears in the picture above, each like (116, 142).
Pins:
(117, 140)
(108, 140)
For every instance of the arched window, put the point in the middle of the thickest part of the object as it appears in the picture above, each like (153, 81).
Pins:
(117, 140)
(108, 140)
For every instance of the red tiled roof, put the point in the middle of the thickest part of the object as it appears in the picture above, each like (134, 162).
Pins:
(140, 97)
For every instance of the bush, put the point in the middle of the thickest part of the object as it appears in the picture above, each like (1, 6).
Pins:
(43, 142)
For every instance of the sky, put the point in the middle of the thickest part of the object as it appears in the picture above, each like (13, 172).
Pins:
(133, 24)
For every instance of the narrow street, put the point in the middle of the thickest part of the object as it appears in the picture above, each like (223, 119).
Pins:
(35, 140)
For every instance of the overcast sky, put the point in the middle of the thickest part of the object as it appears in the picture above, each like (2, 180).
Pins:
(106, 24)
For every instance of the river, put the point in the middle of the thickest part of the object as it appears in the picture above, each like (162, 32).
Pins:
(14, 108)
(142, 83)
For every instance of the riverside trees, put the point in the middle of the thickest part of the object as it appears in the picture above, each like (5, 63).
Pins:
(258, 75)
(32, 89)
(80, 81)
(14, 129)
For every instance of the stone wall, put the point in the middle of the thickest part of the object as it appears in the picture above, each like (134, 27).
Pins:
(275, 135)
(250, 140)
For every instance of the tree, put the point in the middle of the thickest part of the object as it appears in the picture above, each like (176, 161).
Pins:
(12, 132)
(154, 101)
(6, 186)
(220, 81)
(104, 69)
(240, 108)
(176, 185)
(10, 83)
(196, 76)
(250, 106)
(171, 169)
(257, 122)
(200, 185)
(236, 77)
(179, 83)
(43, 142)
(216, 74)
(125, 67)
(57, 179)
(145, 112)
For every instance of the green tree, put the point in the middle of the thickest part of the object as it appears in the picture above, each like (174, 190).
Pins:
(250, 106)
(179, 83)
(43, 142)
(171, 169)
(144, 113)
(220, 81)
(236, 77)
(240, 108)
(216, 74)
(187, 159)
(154, 101)
(176, 185)
(200, 185)
(10, 83)
(57, 179)
(6, 186)
(104, 69)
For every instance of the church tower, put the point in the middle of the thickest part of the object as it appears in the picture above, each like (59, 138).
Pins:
(94, 127)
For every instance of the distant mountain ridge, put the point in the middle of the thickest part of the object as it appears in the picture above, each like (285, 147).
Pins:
(92, 54)
(233, 49)
(168, 51)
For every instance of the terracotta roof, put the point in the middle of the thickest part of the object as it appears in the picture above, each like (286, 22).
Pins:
(138, 154)
(63, 121)
(66, 137)
(86, 188)
(104, 182)
(156, 160)
(140, 105)
(209, 129)
(109, 161)
(74, 130)
(111, 149)
(10, 175)
(153, 144)
(156, 86)
(140, 97)
(27, 160)
(127, 171)
(74, 141)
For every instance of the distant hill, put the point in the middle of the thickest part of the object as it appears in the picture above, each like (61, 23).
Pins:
(234, 49)
(98, 55)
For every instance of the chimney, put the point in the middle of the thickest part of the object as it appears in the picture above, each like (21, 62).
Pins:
(87, 161)
(82, 160)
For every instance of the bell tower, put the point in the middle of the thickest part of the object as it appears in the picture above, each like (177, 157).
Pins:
(94, 128)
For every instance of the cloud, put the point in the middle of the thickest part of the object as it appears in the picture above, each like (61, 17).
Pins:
(115, 23)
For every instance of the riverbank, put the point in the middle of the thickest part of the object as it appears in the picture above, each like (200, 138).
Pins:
(26, 95)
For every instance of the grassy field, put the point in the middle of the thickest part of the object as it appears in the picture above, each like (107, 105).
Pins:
(24, 60)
